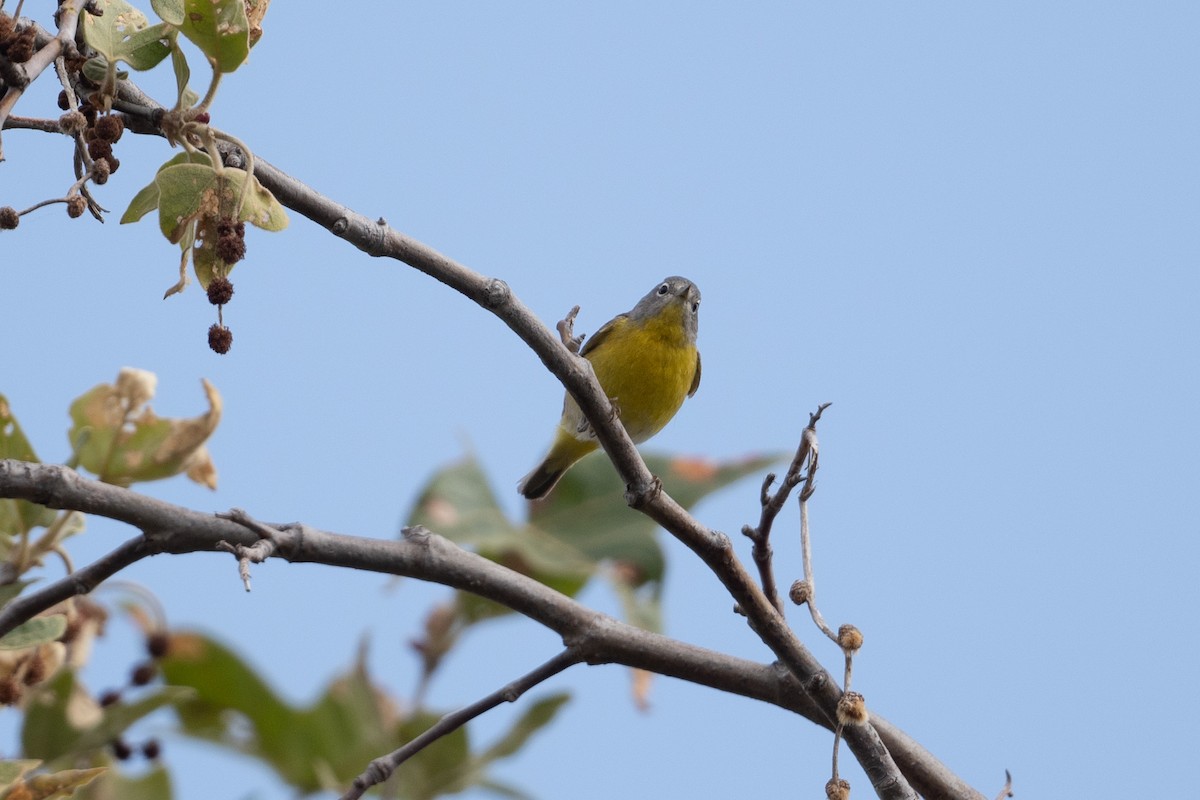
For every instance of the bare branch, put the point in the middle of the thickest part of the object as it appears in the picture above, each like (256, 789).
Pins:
(597, 638)
(382, 768)
(772, 504)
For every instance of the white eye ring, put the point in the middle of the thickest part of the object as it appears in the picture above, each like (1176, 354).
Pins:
(695, 306)
(666, 287)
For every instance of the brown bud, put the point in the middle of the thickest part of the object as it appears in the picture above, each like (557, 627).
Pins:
(72, 122)
(76, 205)
(151, 749)
(220, 339)
(852, 709)
(100, 172)
(143, 673)
(158, 644)
(21, 47)
(220, 291)
(9, 218)
(121, 750)
(837, 789)
(850, 638)
(109, 127)
(799, 592)
(98, 148)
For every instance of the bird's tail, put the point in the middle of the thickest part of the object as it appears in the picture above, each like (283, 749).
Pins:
(565, 452)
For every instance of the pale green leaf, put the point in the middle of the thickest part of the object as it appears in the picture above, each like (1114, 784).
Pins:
(220, 29)
(38, 630)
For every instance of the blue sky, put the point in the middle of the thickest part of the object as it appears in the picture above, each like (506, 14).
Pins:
(972, 227)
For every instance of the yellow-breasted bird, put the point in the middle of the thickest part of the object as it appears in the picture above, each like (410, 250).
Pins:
(647, 363)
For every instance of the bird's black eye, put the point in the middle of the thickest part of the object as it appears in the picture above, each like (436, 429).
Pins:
(666, 287)
(695, 306)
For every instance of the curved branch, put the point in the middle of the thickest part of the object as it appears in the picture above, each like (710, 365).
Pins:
(595, 637)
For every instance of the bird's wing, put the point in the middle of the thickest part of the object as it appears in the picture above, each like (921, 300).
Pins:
(696, 379)
(599, 336)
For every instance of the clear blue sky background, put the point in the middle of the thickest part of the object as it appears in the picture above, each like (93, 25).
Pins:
(973, 227)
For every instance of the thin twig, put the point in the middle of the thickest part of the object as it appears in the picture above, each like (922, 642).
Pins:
(382, 768)
(806, 557)
(260, 551)
(81, 581)
(1007, 790)
(772, 504)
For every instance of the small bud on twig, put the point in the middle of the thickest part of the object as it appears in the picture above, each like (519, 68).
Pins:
(837, 789)
(852, 709)
(799, 592)
(849, 638)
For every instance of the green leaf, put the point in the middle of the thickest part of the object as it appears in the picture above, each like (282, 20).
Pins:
(183, 189)
(117, 435)
(95, 69)
(584, 522)
(147, 48)
(46, 731)
(183, 73)
(142, 204)
(441, 768)
(18, 516)
(221, 682)
(458, 503)
(588, 509)
(169, 11)
(325, 745)
(122, 33)
(260, 207)
(146, 200)
(38, 630)
(9, 591)
(311, 748)
(153, 785)
(64, 724)
(220, 29)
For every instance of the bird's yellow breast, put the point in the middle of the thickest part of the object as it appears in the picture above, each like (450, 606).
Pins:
(646, 368)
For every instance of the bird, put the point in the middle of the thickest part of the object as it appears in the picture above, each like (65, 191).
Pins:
(647, 363)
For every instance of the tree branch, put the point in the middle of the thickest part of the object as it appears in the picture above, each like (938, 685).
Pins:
(48, 50)
(382, 768)
(597, 638)
(644, 492)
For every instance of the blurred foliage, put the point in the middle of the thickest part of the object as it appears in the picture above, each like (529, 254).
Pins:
(67, 736)
(582, 529)
(326, 744)
(116, 434)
